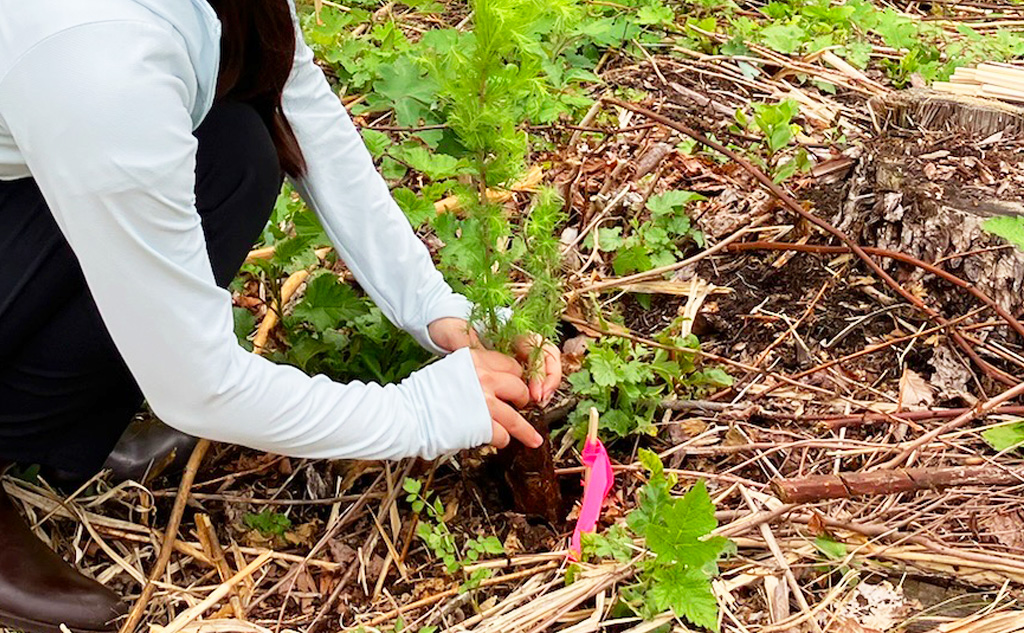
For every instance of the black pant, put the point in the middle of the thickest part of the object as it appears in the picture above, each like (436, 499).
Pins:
(65, 393)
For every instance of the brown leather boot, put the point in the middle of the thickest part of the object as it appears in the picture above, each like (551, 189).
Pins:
(147, 449)
(39, 591)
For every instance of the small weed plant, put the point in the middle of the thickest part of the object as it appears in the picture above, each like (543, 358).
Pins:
(434, 532)
(678, 556)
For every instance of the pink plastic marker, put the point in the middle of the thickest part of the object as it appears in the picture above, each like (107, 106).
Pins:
(597, 482)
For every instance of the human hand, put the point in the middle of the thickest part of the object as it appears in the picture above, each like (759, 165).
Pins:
(543, 382)
(501, 379)
(451, 333)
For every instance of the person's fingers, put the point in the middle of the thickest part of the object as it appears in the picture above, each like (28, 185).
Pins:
(537, 389)
(525, 345)
(552, 372)
(499, 436)
(515, 424)
(496, 361)
(508, 388)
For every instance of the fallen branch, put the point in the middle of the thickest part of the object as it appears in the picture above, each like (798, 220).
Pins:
(888, 482)
(865, 419)
(978, 411)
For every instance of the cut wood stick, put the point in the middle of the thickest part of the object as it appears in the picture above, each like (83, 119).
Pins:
(170, 536)
(259, 342)
(215, 596)
(211, 545)
(888, 482)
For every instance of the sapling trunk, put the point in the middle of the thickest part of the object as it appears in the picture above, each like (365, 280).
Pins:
(530, 474)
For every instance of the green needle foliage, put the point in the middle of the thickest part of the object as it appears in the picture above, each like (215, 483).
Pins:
(492, 80)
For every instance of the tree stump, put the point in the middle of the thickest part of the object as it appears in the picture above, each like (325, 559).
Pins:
(942, 165)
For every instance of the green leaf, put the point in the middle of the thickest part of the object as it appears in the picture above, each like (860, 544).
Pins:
(408, 90)
(614, 543)
(716, 377)
(609, 239)
(604, 367)
(681, 525)
(416, 208)
(435, 165)
(618, 422)
(897, 31)
(687, 591)
(327, 302)
(245, 323)
(671, 201)
(830, 548)
(650, 461)
(655, 13)
(1010, 228)
(1005, 436)
(376, 142)
(412, 486)
(631, 260)
(268, 523)
(784, 38)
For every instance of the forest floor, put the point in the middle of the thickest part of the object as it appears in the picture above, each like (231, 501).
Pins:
(835, 369)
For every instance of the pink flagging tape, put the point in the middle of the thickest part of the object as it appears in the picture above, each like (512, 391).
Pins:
(596, 487)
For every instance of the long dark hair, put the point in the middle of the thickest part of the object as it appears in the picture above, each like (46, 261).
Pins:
(256, 51)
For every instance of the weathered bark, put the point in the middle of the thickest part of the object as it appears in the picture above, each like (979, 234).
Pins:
(888, 482)
(530, 474)
(933, 176)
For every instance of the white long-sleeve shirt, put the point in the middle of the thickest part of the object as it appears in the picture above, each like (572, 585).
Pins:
(98, 101)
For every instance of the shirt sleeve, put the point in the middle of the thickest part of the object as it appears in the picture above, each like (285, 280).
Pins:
(353, 203)
(100, 114)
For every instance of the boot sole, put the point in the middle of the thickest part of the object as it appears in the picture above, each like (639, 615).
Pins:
(9, 620)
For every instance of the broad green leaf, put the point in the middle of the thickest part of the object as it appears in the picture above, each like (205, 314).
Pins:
(377, 142)
(830, 548)
(1010, 228)
(671, 201)
(655, 13)
(897, 31)
(784, 38)
(412, 486)
(604, 367)
(416, 208)
(650, 461)
(630, 260)
(687, 591)
(609, 239)
(677, 534)
(408, 90)
(435, 165)
(1005, 436)
(327, 301)
(245, 323)
(618, 422)
(614, 543)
